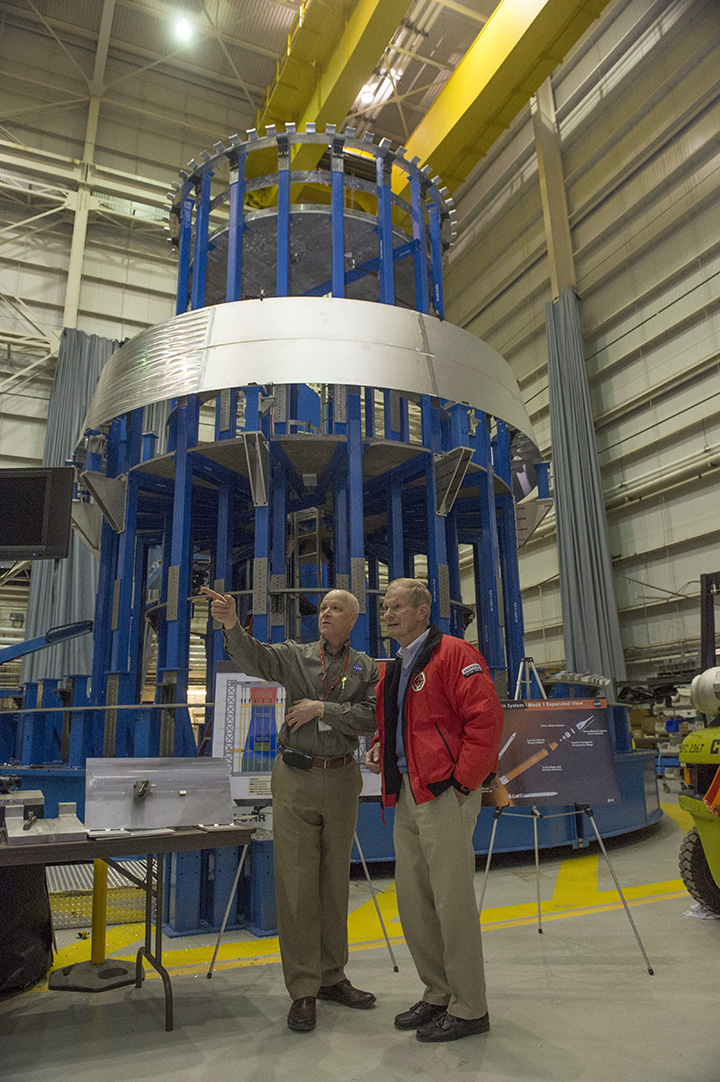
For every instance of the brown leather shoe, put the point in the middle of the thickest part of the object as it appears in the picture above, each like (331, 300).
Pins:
(448, 1027)
(419, 1014)
(344, 993)
(301, 1016)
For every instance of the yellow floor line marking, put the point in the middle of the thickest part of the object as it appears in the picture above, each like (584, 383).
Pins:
(683, 818)
(575, 894)
(365, 933)
(576, 883)
(187, 966)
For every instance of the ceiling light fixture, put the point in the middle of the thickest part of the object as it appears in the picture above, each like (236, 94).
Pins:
(183, 29)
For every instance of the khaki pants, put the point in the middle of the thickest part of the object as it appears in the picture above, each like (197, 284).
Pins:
(314, 820)
(434, 876)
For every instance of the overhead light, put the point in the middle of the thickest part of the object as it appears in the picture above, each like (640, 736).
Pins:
(366, 95)
(183, 29)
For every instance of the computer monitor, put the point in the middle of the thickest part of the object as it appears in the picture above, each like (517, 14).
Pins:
(35, 513)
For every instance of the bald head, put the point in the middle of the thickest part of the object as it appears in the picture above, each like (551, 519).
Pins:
(349, 599)
(336, 618)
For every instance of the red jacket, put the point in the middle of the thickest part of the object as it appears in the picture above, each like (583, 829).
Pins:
(452, 721)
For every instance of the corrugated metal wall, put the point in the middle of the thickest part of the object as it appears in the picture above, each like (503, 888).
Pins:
(638, 110)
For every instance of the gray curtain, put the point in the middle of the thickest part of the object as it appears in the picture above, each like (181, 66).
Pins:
(63, 591)
(155, 420)
(590, 619)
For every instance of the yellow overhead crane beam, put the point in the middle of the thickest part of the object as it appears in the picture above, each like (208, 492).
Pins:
(331, 52)
(519, 46)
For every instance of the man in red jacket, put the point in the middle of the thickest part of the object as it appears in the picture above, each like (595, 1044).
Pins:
(439, 729)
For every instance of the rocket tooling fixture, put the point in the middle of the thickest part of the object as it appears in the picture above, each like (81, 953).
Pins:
(307, 419)
(323, 424)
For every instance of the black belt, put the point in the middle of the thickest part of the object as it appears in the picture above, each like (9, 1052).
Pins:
(329, 764)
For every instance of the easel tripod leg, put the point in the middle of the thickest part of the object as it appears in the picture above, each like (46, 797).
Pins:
(377, 907)
(536, 816)
(588, 811)
(238, 873)
(496, 815)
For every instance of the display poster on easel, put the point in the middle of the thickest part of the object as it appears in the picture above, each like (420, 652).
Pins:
(556, 751)
(248, 715)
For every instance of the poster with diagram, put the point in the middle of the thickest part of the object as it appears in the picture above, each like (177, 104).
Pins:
(247, 718)
(556, 751)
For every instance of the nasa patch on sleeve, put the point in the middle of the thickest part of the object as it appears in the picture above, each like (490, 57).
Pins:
(470, 669)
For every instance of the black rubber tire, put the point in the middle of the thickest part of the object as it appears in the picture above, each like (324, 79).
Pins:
(696, 874)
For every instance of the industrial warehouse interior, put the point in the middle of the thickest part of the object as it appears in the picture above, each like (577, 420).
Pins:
(497, 225)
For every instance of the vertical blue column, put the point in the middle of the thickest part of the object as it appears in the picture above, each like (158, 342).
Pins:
(338, 217)
(436, 258)
(452, 548)
(437, 543)
(396, 542)
(162, 622)
(373, 606)
(422, 301)
(81, 737)
(261, 622)
(458, 435)
(507, 550)
(102, 636)
(120, 657)
(342, 529)
(222, 582)
(149, 441)
(138, 628)
(103, 620)
(383, 172)
(129, 448)
(278, 559)
(31, 729)
(236, 228)
(200, 247)
(487, 559)
(282, 279)
(184, 249)
(252, 408)
(178, 583)
(542, 470)
(133, 439)
(359, 634)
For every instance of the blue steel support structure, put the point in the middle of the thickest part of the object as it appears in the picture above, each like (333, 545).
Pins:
(367, 470)
(507, 551)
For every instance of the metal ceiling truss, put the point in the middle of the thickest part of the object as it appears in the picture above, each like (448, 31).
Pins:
(516, 50)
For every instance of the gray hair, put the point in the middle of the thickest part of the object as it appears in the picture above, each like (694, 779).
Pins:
(418, 591)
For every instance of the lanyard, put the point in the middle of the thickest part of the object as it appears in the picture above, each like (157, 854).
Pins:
(340, 677)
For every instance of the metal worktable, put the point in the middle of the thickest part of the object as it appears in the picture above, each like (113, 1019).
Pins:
(151, 847)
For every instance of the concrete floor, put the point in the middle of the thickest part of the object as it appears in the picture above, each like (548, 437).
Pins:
(573, 1004)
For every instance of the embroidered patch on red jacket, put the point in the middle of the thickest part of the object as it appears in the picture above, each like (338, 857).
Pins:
(470, 669)
(418, 682)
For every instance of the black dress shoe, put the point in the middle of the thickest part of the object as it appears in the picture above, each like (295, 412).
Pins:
(344, 993)
(447, 1027)
(301, 1016)
(419, 1014)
